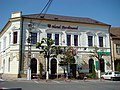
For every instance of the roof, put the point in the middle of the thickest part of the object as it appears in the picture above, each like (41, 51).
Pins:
(115, 32)
(63, 18)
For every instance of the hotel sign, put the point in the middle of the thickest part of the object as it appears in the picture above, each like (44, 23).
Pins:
(62, 27)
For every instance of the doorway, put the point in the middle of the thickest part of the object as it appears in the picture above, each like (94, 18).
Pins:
(33, 66)
(53, 68)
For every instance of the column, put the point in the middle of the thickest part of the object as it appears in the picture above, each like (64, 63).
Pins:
(60, 39)
(72, 40)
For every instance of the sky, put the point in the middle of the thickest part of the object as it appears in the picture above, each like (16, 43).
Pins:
(106, 11)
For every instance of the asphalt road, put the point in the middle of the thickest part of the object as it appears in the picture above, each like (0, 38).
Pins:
(62, 85)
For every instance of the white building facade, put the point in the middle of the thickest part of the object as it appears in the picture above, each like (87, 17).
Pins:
(83, 34)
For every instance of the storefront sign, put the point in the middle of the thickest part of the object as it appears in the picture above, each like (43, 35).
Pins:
(62, 27)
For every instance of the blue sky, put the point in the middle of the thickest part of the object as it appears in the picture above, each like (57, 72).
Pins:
(107, 11)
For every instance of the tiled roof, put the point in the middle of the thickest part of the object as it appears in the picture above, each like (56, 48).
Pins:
(115, 32)
(63, 18)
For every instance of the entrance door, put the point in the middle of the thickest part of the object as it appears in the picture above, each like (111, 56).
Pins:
(91, 63)
(33, 66)
(53, 67)
(102, 66)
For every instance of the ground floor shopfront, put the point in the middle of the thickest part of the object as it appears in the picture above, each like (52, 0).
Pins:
(83, 64)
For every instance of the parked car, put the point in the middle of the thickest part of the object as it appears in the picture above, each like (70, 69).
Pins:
(111, 75)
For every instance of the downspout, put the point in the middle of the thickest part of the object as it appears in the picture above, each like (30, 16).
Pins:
(110, 48)
(20, 49)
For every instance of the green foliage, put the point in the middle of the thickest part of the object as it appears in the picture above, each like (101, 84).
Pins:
(93, 74)
(68, 57)
(40, 69)
(118, 67)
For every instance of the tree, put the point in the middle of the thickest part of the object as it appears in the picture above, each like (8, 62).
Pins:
(46, 45)
(98, 56)
(118, 67)
(40, 69)
(68, 58)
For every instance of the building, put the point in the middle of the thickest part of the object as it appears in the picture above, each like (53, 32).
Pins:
(83, 34)
(115, 46)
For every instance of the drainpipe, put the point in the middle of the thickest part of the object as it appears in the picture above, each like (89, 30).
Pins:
(20, 49)
(110, 48)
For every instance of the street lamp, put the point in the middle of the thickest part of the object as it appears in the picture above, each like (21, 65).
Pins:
(29, 51)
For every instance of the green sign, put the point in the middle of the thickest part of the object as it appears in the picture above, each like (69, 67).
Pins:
(104, 53)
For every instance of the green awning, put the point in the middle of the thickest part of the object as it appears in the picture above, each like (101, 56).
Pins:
(104, 53)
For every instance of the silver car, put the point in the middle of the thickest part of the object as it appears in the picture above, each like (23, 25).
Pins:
(115, 75)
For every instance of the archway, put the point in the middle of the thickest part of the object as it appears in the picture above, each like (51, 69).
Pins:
(102, 65)
(91, 63)
(33, 66)
(53, 67)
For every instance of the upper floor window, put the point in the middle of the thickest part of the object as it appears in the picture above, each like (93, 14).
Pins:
(49, 35)
(68, 40)
(9, 38)
(76, 40)
(4, 42)
(90, 40)
(118, 48)
(33, 38)
(14, 37)
(100, 41)
(56, 39)
(0, 46)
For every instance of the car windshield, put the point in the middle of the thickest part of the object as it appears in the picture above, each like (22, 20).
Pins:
(106, 73)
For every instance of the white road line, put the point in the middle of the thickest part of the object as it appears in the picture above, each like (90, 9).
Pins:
(56, 81)
(36, 81)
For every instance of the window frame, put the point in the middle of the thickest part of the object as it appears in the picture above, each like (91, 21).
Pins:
(101, 44)
(33, 38)
(90, 40)
(118, 48)
(15, 37)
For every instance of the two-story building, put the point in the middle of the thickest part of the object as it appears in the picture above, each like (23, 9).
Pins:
(83, 34)
(115, 47)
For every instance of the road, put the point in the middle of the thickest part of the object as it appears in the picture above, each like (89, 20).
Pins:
(62, 85)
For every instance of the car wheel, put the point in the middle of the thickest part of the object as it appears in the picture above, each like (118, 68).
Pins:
(112, 79)
(102, 77)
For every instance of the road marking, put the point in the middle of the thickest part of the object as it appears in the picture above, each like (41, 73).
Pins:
(36, 81)
(56, 81)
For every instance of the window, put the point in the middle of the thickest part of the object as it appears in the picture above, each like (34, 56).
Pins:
(100, 41)
(4, 42)
(90, 40)
(33, 38)
(49, 35)
(76, 40)
(118, 48)
(9, 38)
(56, 39)
(68, 40)
(14, 37)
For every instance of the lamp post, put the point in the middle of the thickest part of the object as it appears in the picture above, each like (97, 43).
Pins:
(29, 52)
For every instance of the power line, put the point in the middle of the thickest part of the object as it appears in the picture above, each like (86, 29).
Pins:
(43, 11)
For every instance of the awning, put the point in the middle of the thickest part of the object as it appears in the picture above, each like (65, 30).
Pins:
(104, 53)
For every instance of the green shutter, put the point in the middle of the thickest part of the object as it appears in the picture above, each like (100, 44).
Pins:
(96, 64)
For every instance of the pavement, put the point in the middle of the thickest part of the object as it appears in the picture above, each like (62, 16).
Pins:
(56, 80)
